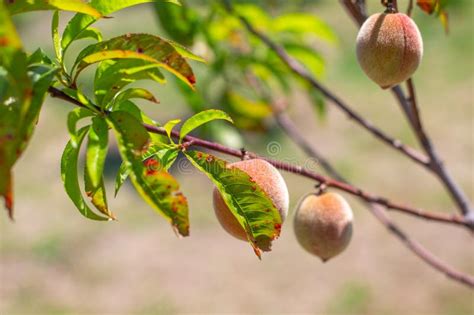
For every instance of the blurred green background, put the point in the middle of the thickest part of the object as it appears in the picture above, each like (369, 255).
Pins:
(53, 261)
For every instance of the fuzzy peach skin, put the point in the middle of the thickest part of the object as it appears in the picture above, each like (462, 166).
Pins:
(323, 224)
(389, 48)
(272, 183)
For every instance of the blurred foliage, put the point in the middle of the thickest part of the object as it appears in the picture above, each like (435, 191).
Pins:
(246, 77)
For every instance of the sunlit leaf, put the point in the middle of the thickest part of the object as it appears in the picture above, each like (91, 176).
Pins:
(247, 107)
(20, 6)
(155, 185)
(310, 58)
(70, 178)
(145, 47)
(251, 206)
(437, 7)
(200, 119)
(90, 32)
(166, 156)
(169, 127)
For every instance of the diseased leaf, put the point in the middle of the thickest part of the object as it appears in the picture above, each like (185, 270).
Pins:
(21, 6)
(150, 48)
(200, 119)
(97, 195)
(251, 206)
(113, 75)
(169, 127)
(155, 185)
(70, 178)
(180, 22)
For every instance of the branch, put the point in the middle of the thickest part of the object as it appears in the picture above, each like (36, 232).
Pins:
(375, 201)
(299, 70)
(410, 7)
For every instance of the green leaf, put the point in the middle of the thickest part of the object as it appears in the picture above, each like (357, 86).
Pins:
(248, 202)
(39, 57)
(56, 36)
(135, 93)
(166, 157)
(202, 118)
(21, 6)
(155, 185)
(73, 117)
(169, 127)
(22, 93)
(145, 47)
(95, 159)
(70, 178)
(80, 22)
(97, 150)
(113, 75)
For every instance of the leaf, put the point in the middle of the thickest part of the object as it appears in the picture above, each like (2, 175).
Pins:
(180, 22)
(80, 22)
(113, 75)
(169, 127)
(166, 157)
(137, 46)
(308, 57)
(155, 185)
(95, 159)
(21, 95)
(200, 119)
(21, 6)
(73, 117)
(70, 178)
(56, 36)
(247, 201)
(135, 93)
(97, 150)
(436, 7)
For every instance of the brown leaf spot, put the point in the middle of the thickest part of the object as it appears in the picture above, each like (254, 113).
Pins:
(3, 41)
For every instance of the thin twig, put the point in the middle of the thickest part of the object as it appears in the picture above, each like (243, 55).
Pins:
(378, 212)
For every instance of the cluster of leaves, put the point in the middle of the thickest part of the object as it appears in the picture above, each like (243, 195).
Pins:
(147, 156)
(246, 77)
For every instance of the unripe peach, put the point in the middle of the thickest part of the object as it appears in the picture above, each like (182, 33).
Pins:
(323, 224)
(389, 48)
(271, 182)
